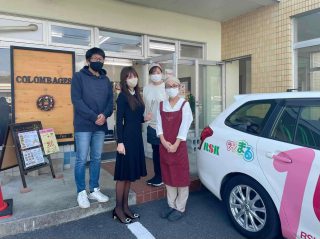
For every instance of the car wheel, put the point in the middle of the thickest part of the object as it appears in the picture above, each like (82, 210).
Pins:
(250, 208)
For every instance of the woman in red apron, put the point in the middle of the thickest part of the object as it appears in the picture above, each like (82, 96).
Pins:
(174, 118)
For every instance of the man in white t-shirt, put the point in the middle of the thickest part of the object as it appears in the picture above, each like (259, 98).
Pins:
(153, 94)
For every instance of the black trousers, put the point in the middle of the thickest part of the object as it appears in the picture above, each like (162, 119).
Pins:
(156, 161)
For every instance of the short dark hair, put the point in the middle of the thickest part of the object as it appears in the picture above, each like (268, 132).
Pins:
(153, 69)
(93, 51)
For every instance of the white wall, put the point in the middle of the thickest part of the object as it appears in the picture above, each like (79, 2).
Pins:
(232, 81)
(117, 15)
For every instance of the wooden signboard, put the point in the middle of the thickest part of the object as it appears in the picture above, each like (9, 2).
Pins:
(23, 147)
(41, 85)
(8, 157)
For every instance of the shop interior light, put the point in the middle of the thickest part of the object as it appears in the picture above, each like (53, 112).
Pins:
(5, 86)
(162, 46)
(57, 34)
(103, 39)
(118, 62)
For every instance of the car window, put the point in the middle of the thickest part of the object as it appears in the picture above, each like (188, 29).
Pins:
(285, 126)
(250, 118)
(308, 130)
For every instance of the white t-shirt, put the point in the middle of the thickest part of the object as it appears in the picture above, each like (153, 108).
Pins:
(152, 96)
(187, 117)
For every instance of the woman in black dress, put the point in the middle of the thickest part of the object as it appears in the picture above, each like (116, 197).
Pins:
(130, 161)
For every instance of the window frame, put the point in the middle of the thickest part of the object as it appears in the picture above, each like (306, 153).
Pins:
(27, 20)
(49, 37)
(296, 45)
(123, 54)
(164, 40)
(202, 45)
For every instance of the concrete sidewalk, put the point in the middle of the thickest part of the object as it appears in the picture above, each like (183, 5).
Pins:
(51, 201)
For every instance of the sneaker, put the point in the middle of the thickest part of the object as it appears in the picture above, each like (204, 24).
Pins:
(155, 182)
(97, 195)
(83, 199)
(166, 212)
(175, 216)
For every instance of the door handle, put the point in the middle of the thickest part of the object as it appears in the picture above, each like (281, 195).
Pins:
(278, 158)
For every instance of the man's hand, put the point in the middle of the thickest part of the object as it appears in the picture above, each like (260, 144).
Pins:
(101, 119)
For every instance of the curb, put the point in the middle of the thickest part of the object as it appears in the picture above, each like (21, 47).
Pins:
(58, 217)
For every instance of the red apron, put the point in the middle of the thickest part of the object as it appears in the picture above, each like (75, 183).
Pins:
(174, 166)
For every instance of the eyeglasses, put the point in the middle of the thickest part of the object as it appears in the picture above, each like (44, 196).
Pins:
(171, 86)
(93, 59)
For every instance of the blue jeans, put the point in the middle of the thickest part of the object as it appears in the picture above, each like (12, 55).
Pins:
(84, 141)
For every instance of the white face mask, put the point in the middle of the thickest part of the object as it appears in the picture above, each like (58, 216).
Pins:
(156, 77)
(172, 92)
(132, 82)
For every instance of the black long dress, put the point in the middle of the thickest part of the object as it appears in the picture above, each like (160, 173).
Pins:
(132, 165)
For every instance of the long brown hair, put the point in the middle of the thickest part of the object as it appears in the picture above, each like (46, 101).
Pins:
(134, 102)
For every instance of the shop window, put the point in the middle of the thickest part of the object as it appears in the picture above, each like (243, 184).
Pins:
(309, 68)
(120, 43)
(80, 62)
(70, 36)
(161, 48)
(307, 49)
(21, 30)
(308, 27)
(191, 51)
(5, 92)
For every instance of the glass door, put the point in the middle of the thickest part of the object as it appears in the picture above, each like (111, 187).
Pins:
(201, 86)
(209, 93)
(168, 63)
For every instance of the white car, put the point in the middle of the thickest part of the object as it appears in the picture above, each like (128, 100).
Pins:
(261, 156)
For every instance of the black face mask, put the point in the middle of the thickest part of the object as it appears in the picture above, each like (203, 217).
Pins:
(96, 65)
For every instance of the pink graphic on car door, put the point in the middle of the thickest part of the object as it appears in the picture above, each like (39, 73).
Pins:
(297, 163)
(316, 200)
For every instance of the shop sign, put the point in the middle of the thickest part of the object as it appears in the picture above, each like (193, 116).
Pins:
(41, 86)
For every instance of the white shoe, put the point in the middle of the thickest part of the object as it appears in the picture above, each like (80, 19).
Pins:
(83, 199)
(97, 195)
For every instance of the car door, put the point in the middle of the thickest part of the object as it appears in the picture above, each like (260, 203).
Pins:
(289, 156)
(232, 148)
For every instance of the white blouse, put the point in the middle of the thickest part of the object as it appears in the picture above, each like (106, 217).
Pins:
(152, 96)
(187, 117)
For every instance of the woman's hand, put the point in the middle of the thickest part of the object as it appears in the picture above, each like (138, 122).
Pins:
(148, 117)
(121, 149)
(173, 148)
(167, 145)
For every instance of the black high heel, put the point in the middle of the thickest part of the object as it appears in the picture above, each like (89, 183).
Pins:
(115, 216)
(135, 216)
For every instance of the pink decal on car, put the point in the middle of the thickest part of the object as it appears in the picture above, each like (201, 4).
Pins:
(316, 200)
(297, 163)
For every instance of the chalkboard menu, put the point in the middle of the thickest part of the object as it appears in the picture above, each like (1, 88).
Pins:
(25, 139)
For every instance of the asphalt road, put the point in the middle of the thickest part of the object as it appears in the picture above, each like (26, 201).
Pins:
(205, 218)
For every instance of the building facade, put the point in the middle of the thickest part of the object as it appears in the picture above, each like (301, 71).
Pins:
(269, 49)
(282, 41)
